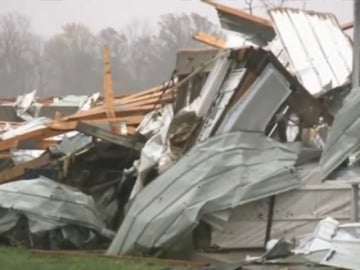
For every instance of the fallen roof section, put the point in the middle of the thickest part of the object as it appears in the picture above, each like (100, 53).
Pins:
(256, 29)
(172, 204)
(320, 54)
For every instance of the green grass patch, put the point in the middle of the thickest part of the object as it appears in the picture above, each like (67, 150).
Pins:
(22, 259)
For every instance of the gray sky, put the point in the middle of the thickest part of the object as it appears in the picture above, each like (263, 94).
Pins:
(49, 15)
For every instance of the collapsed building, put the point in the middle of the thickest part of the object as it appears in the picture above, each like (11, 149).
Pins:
(245, 145)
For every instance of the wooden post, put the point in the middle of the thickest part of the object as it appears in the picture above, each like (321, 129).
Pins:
(108, 84)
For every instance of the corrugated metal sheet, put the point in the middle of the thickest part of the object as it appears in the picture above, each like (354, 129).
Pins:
(253, 167)
(320, 53)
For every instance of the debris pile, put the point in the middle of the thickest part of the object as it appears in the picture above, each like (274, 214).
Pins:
(243, 145)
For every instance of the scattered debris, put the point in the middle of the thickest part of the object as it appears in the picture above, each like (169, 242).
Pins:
(238, 148)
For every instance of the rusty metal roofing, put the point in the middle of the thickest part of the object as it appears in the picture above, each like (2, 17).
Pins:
(320, 54)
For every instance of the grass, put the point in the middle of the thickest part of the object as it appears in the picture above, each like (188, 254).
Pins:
(17, 258)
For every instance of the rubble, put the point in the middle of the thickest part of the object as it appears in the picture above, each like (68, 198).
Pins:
(241, 146)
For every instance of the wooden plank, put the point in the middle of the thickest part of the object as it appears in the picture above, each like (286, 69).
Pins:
(210, 40)
(101, 113)
(19, 170)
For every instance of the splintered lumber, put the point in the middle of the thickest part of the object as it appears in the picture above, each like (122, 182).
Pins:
(210, 40)
(19, 170)
(71, 125)
(10, 145)
(122, 111)
(108, 84)
(35, 135)
(5, 155)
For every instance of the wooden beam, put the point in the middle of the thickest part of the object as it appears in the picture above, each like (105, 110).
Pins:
(71, 125)
(210, 40)
(10, 145)
(37, 135)
(153, 101)
(150, 96)
(153, 90)
(130, 142)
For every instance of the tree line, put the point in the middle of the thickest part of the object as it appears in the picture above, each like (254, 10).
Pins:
(71, 62)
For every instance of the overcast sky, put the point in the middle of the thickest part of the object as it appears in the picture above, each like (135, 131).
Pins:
(49, 15)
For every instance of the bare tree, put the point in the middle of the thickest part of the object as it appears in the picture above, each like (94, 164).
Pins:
(73, 61)
(19, 55)
(152, 56)
(269, 4)
(176, 33)
(249, 4)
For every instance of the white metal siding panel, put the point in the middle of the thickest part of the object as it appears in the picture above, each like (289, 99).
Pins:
(320, 53)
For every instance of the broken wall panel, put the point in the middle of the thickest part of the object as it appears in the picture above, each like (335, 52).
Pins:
(187, 60)
(246, 227)
(224, 96)
(259, 80)
(298, 212)
(209, 90)
(295, 213)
